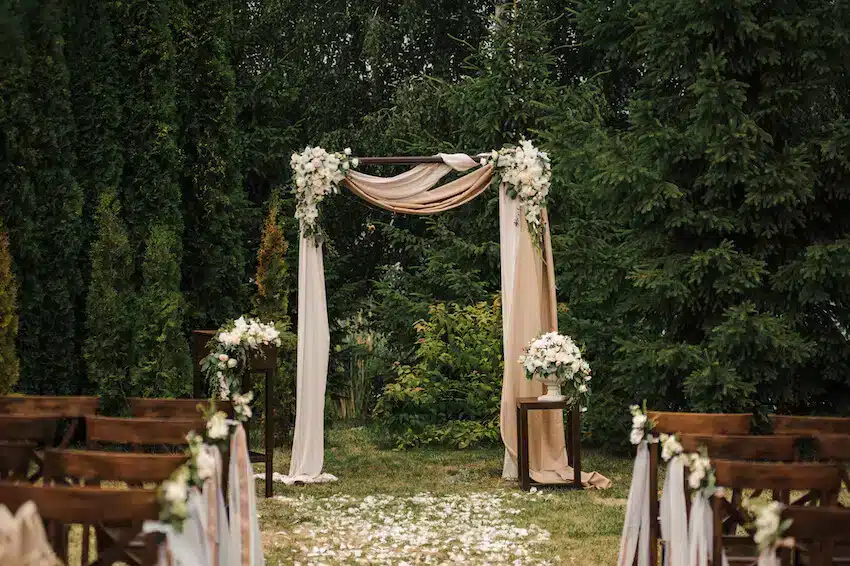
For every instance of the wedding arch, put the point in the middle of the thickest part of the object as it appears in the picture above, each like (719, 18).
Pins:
(529, 305)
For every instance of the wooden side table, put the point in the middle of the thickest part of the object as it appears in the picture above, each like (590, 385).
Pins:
(265, 364)
(573, 439)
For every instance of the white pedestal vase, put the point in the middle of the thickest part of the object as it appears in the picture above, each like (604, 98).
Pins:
(553, 389)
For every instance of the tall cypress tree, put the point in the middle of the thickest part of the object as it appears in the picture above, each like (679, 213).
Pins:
(150, 191)
(45, 203)
(110, 305)
(215, 204)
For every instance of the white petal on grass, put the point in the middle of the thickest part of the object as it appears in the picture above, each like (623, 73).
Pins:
(474, 528)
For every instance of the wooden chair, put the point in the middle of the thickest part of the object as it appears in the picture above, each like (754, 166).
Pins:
(785, 424)
(174, 408)
(822, 534)
(140, 432)
(59, 408)
(61, 506)
(684, 424)
(78, 467)
(88, 466)
(823, 481)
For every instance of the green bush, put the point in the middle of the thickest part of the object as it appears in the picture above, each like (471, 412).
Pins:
(110, 306)
(163, 366)
(9, 365)
(452, 394)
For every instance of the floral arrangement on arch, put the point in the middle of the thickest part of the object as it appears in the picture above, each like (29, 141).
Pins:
(525, 174)
(173, 493)
(317, 174)
(523, 171)
(229, 351)
(555, 359)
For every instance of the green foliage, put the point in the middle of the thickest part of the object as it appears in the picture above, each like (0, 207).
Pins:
(110, 307)
(715, 205)
(9, 364)
(215, 207)
(452, 395)
(163, 367)
(42, 201)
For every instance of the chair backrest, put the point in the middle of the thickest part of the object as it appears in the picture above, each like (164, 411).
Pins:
(701, 423)
(140, 432)
(89, 465)
(37, 429)
(833, 447)
(15, 459)
(785, 424)
(769, 448)
(819, 530)
(60, 506)
(59, 407)
(777, 476)
(173, 408)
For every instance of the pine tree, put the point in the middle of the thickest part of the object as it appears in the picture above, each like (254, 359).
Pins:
(110, 307)
(216, 209)
(9, 365)
(730, 180)
(160, 350)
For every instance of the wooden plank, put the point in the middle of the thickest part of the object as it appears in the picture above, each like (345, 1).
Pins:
(785, 424)
(835, 447)
(777, 476)
(184, 409)
(41, 429)
(701, 423)
(144, 432)
(83, 504)
(133, 468)
(738, 447)
(60, 407)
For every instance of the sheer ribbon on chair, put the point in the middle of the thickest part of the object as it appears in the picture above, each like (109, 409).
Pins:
(245, 545)
(634, 541)
(23, 541)
(529, 309)
(674, 515)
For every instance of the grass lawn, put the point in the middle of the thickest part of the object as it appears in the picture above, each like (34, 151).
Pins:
(435, 506)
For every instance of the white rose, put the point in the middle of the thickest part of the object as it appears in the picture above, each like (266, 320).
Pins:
(636, 436)
(347, 151)
(582, 388)
(217, 426)
(223, 357)
(355, 162)
(206, 465)
(231, 363)
(638, 421)
(175, 491)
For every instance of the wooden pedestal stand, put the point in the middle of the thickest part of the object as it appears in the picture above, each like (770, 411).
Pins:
(573, 439)
(265, 364)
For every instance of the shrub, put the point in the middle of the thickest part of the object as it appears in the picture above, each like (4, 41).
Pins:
(110, 306)
(452, 395)
(163, 366)
(271, 303)
(9, 365)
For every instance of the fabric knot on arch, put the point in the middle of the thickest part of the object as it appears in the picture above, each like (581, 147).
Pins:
(529, 305)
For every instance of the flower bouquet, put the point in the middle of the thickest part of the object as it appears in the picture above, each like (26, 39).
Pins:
(555, 360)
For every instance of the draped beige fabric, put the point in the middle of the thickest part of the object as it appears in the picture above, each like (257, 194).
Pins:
(529, 309)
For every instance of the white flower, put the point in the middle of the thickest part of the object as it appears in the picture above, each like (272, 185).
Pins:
(223, 357)
(231, 363)
(355, 162)
(582, 388)
(639, 421)
(217, 426)
(636, 436)
(347, 151)
(206, 464)
(175, 490)
(670, 447)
